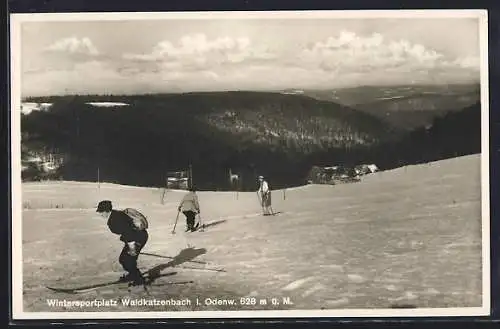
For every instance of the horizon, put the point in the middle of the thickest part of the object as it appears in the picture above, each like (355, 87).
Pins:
(277, 91)
(255, 54)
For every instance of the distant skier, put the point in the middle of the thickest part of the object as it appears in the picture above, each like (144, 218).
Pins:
(133, 236)
(190, 207)
(264, 194)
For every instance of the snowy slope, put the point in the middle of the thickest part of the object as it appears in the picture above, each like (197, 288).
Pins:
(410, 236)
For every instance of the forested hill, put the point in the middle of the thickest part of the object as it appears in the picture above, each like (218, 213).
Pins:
(456, 133)
(250, 132)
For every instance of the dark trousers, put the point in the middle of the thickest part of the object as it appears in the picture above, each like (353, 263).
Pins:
(190, 218)
(128, 262)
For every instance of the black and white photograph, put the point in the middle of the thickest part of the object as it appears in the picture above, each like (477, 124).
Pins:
(275, 164)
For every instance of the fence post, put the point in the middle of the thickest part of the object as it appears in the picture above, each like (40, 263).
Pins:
(162, 201)
(190, 175)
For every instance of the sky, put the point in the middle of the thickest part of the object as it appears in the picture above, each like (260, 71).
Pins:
(211, 54)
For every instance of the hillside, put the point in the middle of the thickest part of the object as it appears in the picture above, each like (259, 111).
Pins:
(249, 132)
(388, 241)
(456, 133)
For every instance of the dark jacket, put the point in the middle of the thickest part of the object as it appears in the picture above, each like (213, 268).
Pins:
(121, 224)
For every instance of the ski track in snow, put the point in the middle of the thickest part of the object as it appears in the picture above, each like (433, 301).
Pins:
(380, 242)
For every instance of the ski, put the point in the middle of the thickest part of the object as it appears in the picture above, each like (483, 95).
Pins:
(196, 228)
(84, 290)
(202, 227)
(105, 284)
(273, 214)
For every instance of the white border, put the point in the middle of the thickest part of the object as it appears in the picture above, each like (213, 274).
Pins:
(17, 275)
(306, 14)
(485, 157)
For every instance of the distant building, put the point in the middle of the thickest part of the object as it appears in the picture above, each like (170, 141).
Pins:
(365, 169)
(28, 107)
(332, 175)
(41, 166)
(178, 180)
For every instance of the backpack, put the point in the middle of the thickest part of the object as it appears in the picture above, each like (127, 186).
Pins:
(139, 220)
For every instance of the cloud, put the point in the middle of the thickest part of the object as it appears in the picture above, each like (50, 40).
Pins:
(466, 63)
(63, 55)
(197, 52)
(74, 45)
(349, 52)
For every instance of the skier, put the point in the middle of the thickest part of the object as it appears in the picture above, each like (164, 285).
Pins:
(264, 194)
(134, 240)
(190, 207)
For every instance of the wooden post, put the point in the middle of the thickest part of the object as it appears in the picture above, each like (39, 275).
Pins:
(98, 179)
(190, 175)
(284, 194)
(162, 201)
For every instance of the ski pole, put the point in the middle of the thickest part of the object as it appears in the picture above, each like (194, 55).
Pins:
(269, 201)
(173, 258)
(201, 223)
(176, 218)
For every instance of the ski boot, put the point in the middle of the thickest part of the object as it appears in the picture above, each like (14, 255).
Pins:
(125, 278)
(195, 227)
(140, 281)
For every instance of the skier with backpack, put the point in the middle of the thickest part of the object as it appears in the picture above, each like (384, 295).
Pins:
(132, 227)
(190, 207)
